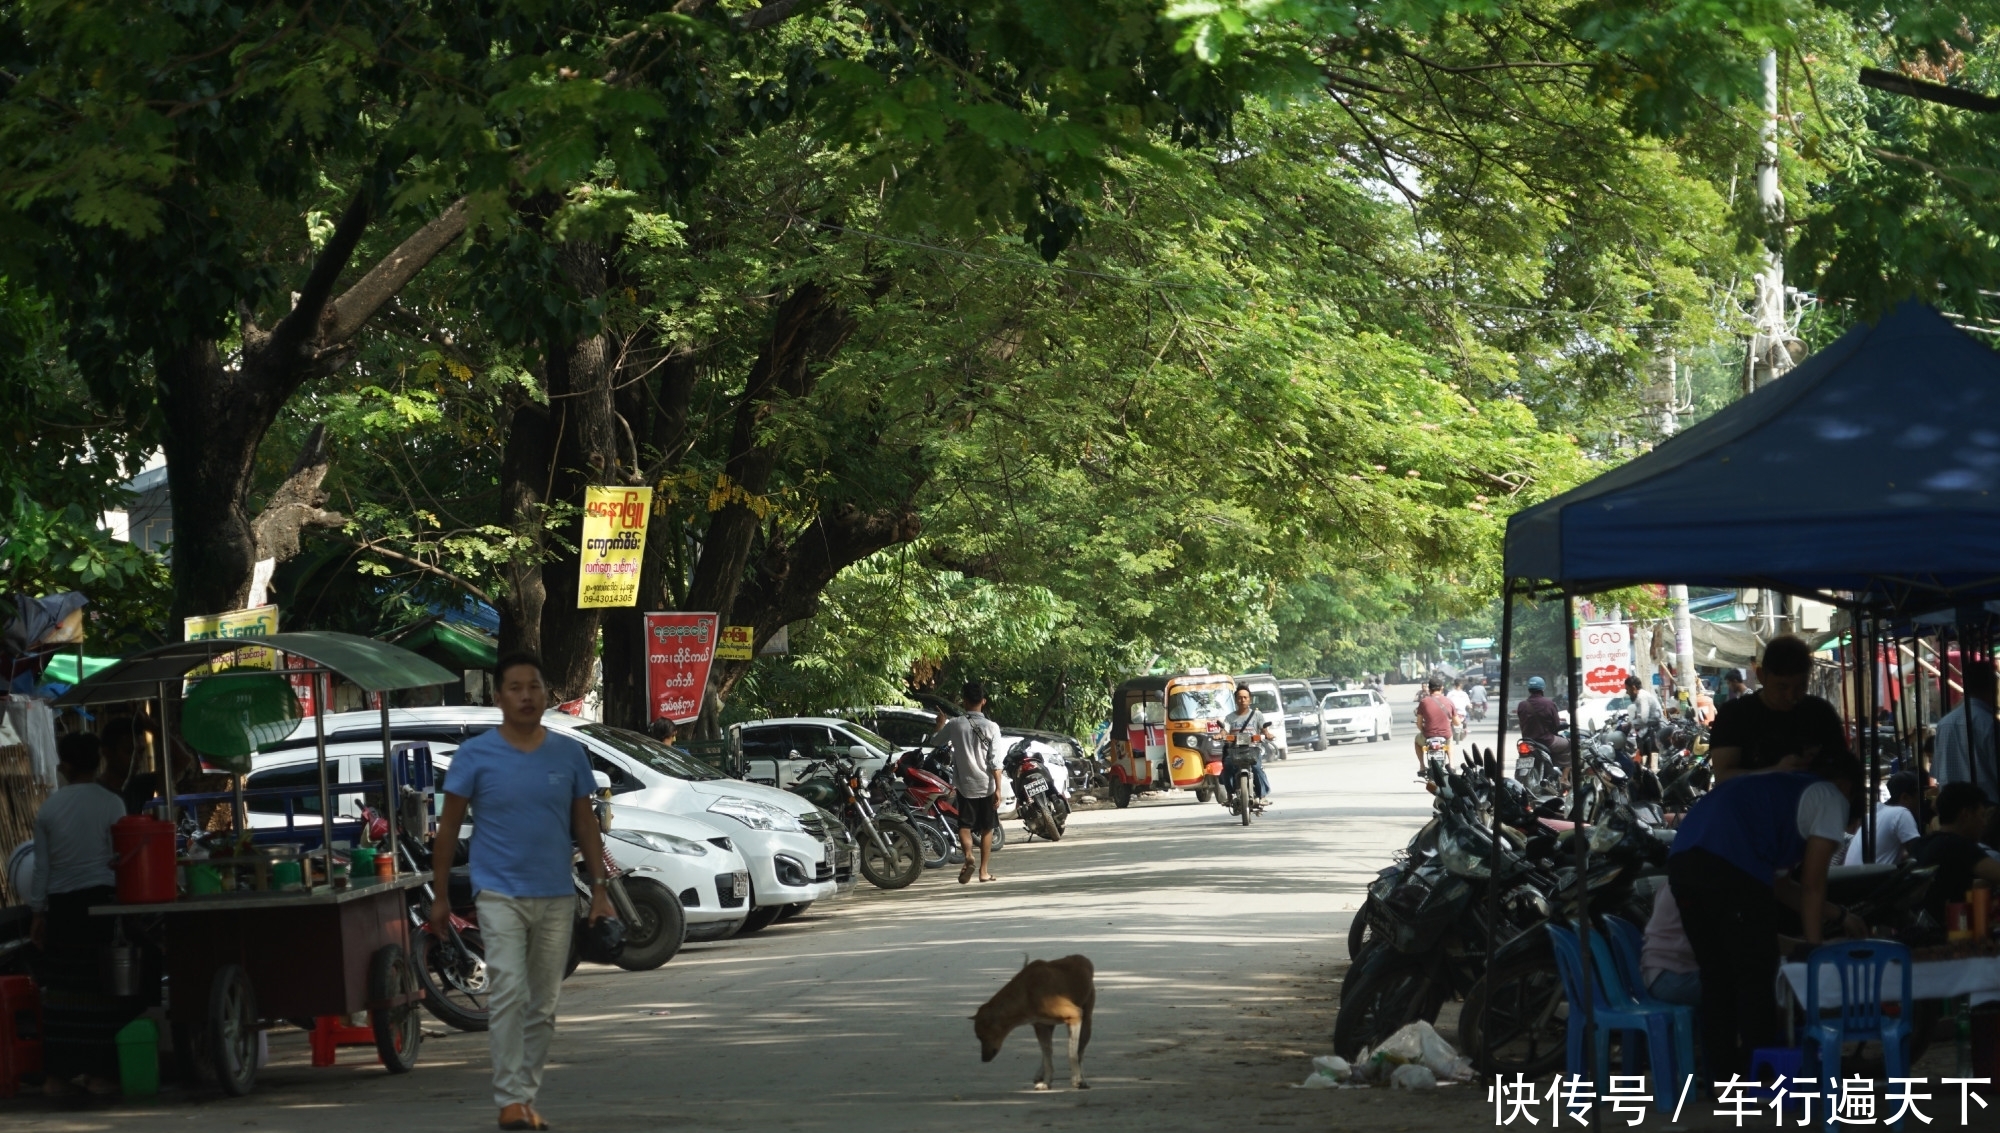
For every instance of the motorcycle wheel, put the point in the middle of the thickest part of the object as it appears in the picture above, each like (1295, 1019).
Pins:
(1516, 1017)
(1243, 806)
(1046, 823)
(1121, 795)
(1383, 993)
(1201, 794)
(453, 979)
(904, 862)
(937, 845)
(658, 930)
(999, 839)
(1361, 930)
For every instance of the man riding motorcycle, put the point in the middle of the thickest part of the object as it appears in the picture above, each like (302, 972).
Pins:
(1248, 719)
(1435, 719)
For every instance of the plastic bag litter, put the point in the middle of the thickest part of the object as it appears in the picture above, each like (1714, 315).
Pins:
(1419, 1044)
(1413, 1076)
(1330, 1071)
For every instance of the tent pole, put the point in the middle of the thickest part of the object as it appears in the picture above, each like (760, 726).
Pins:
(1582, 895)
(1917, 723)
(1872, 658)
(1496, 758)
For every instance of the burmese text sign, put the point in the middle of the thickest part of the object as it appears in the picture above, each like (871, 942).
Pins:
(614, 544)
(680, 648)
(1607, 656)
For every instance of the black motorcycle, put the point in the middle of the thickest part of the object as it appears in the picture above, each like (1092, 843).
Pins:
(892, 851)
(1041, 808)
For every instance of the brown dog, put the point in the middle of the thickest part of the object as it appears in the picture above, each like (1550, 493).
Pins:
(1045, 993)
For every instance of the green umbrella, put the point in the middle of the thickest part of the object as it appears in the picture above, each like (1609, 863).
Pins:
(228, 717)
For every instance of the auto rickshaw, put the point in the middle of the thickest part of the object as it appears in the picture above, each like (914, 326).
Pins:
(1158, 725)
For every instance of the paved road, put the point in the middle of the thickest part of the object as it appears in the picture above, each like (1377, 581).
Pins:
(1215, 947)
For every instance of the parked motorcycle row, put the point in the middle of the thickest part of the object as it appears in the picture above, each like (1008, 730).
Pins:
(1460, 914)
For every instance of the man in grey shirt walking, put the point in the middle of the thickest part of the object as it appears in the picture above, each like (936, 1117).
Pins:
(975, 769)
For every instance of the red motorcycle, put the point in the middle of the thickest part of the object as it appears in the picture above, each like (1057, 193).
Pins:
(933, 803)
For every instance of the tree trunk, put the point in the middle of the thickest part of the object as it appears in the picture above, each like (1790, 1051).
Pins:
(524, 482)
(212, 421)
(659, 423)
(586, 452)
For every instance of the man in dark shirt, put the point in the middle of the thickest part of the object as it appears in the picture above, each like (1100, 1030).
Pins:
(1955, 850)
(1780, 721)
(1734, 688)
(1539, 718)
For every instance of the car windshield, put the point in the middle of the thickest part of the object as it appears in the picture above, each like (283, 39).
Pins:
(871, 739)
(1617, 704)
(1203, 702)
(652, 753)
(1347, 700)
(1263, 700)
(1299, 699)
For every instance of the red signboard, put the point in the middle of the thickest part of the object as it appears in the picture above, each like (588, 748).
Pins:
(679, 650)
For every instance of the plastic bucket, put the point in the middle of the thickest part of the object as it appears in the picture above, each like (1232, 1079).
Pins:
(145, 849)
(139, 1058)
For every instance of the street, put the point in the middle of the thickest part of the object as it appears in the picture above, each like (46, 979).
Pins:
(1216, 948)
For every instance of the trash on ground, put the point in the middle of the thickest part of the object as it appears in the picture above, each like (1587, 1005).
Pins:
(1413, 1076)
(1417, 1046)
(1330, 1071)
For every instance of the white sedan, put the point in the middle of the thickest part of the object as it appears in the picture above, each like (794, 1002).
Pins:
(1357, 714)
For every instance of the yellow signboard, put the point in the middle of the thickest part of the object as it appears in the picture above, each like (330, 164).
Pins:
(258, 621)
(736, 643)
(614, 543)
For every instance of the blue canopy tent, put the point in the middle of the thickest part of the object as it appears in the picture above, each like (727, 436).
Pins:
(1872, 471)
(1869, 477)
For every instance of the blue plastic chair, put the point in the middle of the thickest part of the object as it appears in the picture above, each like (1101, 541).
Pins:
(1859, 967)
(1628, 944)
(1657, 1027)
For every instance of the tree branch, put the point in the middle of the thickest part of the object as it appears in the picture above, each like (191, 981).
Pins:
(294, 330)
(357, 304)
(374, 547)
(768, 15)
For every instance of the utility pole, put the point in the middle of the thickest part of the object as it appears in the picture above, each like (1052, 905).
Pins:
(1769, 354)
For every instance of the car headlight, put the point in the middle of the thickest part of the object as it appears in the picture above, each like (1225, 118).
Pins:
(756, 815)
(660, 843)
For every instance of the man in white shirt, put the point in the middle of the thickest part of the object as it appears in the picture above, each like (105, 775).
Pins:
(1895, 822)
(1461, 706)
(1953, 764)
(73, 871)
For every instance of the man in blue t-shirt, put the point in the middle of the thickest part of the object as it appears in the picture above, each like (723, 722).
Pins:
(529, 791)
(1725, 869)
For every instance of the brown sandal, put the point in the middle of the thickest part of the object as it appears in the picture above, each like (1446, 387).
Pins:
(535, 1116)
(965, 874)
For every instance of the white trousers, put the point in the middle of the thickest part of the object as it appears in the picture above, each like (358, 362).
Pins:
(527, 948)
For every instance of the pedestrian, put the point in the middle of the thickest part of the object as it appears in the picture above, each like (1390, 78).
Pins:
(664, 730)
(1666, 961)
(531, 790)
(975, 771)
(1646, 710)
(1895, 822)
(123, 739)
(1735, 687)
(1725, 870)
(1781, 724)
(1953, 763)
(73, 871)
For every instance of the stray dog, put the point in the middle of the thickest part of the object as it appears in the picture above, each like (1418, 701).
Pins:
(1045, 993)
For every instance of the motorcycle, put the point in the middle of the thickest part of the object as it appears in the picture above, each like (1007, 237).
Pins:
(926, 780)
(1042, 809)
(1231, 768)
(892, 850)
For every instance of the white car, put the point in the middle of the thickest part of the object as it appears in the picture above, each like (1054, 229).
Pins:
(778, 751)
(1357, 714)
(695, 860)
(796, 853)
(1593, 712)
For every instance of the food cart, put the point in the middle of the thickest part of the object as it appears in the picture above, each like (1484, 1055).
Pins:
(240, 962)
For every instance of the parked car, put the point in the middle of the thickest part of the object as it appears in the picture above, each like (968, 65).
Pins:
(1357, 714)
(777, 752)
(902, 726)
(1593, 712)
(1302, 727)
(796, 853)
(1264, 698)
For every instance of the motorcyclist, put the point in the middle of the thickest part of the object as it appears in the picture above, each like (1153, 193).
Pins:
(1435, 718)
(1477, 695)
(1540, 720)
(1248, 719)
(1461, 706)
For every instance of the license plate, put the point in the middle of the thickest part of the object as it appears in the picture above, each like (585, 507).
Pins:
(1037, 787)
(741, 887)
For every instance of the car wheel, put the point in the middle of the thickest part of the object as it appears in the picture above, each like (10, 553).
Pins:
(761, 917)
(1121, 795)
(1319, 743)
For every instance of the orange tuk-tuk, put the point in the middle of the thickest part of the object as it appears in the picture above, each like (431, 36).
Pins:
(1158, 724)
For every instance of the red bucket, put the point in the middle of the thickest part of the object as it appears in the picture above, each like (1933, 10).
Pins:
(145, 849)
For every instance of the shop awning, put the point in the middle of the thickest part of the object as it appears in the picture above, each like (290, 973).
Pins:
(375, 666)
(1874, 467)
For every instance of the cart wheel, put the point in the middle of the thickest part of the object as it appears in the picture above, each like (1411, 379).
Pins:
(399, 1030)
(231, 1030)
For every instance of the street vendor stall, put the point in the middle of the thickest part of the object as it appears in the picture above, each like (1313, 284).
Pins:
(293, 939)
(1868, 478)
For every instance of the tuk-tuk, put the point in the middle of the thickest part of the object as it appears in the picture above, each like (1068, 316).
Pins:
(1158, 724)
